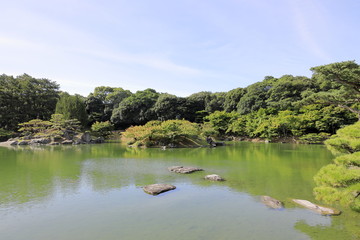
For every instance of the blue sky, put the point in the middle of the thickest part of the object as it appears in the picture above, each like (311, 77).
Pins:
(175, 46)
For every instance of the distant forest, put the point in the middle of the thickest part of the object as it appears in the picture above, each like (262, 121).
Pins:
(274, 107)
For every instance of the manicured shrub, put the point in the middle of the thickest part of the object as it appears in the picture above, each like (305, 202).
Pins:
(102, 129)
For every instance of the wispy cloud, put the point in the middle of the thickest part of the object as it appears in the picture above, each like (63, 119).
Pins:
(155, 62)
(308, 15)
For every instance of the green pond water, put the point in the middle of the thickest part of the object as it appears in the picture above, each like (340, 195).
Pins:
(94, 192)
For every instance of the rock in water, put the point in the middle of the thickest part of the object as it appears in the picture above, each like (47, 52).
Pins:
(272, 202)
(155, 189)
(214, 177)
(317, 208)
(181, 169)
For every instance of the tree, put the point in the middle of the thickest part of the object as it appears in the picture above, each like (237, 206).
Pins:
(95, 109)
(34, 126)
(58, 126)
(72, 107)
(169, 107)
(340, 181)
(136, 109)
(24, 98)
(221, 121)
(232, 99)
(101, 103)
(342, 82)
(255, 96)
(157, 133)
(215, 102)
(287, 90)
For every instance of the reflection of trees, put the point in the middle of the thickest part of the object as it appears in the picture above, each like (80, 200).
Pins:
(281, 171)
(29, 174)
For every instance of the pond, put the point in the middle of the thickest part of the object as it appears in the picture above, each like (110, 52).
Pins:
(94, 192)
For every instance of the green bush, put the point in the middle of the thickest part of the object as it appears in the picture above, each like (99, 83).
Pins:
(102, 129)
(314, 138)
(161, 133)
(221, 120)
(5, 134)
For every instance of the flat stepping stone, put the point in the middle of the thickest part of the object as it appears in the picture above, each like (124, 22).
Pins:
(155, 189)
(181, 169)
(272, 202)
(214, 177)
(317, 208)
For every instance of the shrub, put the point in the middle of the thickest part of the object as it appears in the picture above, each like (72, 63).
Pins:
(346, 140)
(102, 129)
(340, 182)
(5, 134)
(314, 138)
(161, 133)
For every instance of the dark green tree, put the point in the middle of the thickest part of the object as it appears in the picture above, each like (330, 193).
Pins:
(232, 99)
(340, 86)
(72, 107)
(24, 98)
(255, 96)
(110, 97)
(215, 102)
(169, 107)
(136, 109)
(95, 109)
(287, 90)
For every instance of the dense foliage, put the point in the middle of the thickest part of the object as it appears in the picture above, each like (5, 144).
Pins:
(101, 103)
(340, 181)
(309, 109)
(24, 98)
(57, 127)
(72, 107)
(102, 129)
(157, 133)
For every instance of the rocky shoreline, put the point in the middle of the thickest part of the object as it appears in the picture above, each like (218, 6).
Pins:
(82, 138)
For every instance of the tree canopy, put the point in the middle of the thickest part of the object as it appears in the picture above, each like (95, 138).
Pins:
(136, 109)
(340, 83)
(24, 98)
(72, 107)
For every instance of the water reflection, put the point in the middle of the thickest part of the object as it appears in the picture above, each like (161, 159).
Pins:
(77, 174)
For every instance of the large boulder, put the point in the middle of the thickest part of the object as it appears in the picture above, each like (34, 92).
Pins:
(86, 137)
(317, 208)
(155, 189)
(181, 169)
(214, 177)
(272, 202)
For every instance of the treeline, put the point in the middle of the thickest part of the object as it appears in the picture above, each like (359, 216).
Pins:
(285, 106)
